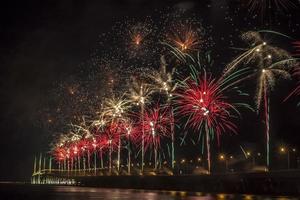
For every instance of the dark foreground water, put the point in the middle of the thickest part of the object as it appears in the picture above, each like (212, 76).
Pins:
(34, 192)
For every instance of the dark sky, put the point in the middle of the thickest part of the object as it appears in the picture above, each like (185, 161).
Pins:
(41, 41)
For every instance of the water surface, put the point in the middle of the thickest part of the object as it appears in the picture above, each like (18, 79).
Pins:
(35, 192)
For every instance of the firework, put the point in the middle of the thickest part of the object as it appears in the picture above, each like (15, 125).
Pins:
(138, 34)
(59, 154)
(140, 94)
(184, 37)
(164, 80)
(86, 140)
(271, 63)
(156, 126)
(129, 128)
(97, 128)
(200, 98)
(116, 107)
(74, 154)
(102, 143)
(131, 132)
(63, 149)
(112, 134)
(203, 102)
(165, 84)
(138, 37)
(100, 123)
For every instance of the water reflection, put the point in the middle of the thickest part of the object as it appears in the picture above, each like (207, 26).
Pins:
(44, 192)
(74, 193)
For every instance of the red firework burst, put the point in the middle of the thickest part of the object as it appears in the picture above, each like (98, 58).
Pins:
(156, 126)
(74, 150)
(111, 135)
(202, 101)
(59, 154)
(85, 145)
(205, 105)
(100, 141)
(131, 130)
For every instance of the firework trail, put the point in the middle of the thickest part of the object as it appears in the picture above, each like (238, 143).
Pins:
(98, 127)
(116, 109)
(112, 135)
(140, 94)
(83, 133)
(76, 144)
(132, 133)
(163, 80)
(270, 64)
(101, 141)
(166, 85)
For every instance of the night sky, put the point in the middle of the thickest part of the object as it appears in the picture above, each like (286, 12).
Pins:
(44, 42)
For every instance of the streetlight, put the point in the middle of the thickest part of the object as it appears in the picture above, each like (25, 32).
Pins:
(199, 160)
(248, 155)
(183, 166)
(284, 150)
(222, 158)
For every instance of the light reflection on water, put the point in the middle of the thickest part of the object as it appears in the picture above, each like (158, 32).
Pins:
(44, 192)
(76, 193)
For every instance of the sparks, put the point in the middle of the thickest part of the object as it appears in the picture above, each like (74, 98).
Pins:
(203, 103)
(185, 38)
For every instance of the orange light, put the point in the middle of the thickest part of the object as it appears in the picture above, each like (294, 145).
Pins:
(137, 39)
(222, 157)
